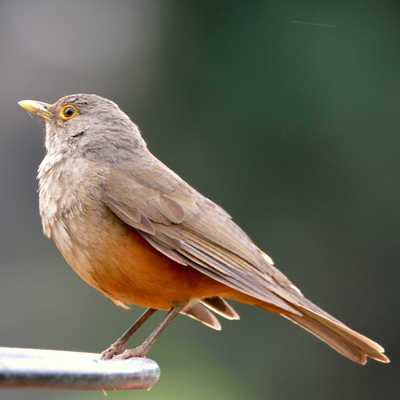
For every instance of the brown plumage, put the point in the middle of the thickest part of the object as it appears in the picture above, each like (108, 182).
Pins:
(137, 232)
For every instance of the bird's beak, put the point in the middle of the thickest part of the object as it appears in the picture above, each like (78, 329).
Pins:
(37, 108)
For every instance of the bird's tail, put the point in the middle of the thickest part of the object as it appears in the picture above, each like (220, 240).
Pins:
(347, 342)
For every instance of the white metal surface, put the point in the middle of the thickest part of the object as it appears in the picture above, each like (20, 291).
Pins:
(52, 369)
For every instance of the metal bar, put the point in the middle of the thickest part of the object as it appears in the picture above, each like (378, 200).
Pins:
(52, 369)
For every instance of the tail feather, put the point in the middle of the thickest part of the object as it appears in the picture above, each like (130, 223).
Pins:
(347, 342)
(221, 307)
(198, 311)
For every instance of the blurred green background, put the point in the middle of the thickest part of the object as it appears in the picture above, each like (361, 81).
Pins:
(294, 128)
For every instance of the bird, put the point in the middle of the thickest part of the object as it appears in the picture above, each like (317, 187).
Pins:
(137, 232)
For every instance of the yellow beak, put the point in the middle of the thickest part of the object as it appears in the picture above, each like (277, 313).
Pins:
(37, 108)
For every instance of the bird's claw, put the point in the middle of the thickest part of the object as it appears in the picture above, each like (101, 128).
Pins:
(139, 351)
(117, 352)
(113, 351)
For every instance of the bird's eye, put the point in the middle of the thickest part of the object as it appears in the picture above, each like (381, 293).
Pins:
(68, 111)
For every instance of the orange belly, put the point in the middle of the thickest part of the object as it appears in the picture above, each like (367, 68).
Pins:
(118, 262)
(141, 275)
(125, 267)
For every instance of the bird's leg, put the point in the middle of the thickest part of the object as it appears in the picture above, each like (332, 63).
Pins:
(143, 349)
(118, 347)
(116, 350)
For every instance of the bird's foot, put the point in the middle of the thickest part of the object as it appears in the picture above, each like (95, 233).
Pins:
(117, 352)
(139, 351)
(113, 351)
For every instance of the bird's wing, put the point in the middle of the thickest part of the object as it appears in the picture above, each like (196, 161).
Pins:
(192, 230)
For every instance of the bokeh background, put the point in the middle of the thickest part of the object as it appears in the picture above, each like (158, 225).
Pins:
(286, 113)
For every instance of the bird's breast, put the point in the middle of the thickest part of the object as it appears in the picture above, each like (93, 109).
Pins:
(109, 254)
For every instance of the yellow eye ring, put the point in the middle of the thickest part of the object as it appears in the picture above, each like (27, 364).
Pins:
(67, 112)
